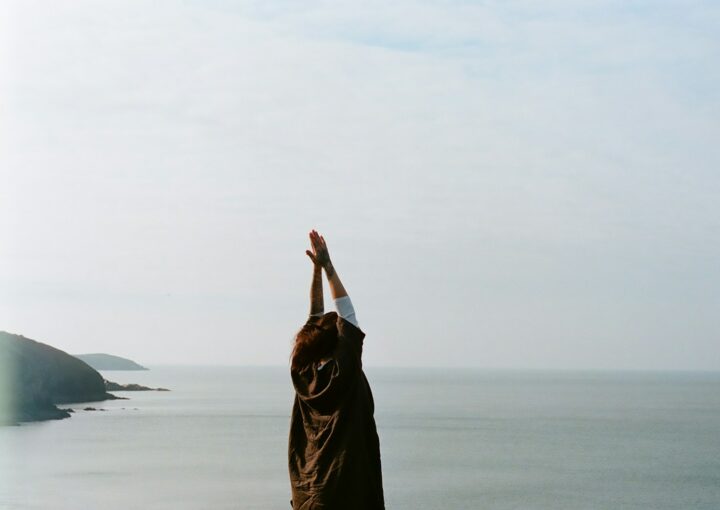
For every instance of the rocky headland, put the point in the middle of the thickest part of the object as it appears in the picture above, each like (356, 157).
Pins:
(34, 377)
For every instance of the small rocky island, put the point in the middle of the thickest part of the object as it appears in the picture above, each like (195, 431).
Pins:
(113, 386)
(101, 361)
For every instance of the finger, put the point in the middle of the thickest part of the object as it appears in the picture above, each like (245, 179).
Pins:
(309, 254)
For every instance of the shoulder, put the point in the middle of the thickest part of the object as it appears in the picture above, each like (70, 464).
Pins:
(350, 337)
(348, 329)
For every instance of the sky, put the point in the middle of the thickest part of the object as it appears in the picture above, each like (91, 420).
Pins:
(507, 184)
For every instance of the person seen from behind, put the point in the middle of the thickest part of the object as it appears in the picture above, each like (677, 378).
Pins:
(334, 449)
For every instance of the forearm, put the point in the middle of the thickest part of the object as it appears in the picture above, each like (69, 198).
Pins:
(343, 304)
(336, 287)
(317, 306)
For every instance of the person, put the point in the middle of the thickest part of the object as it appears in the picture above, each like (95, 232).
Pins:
(334, 449)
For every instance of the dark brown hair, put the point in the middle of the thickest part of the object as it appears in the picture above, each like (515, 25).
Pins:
(316, 339)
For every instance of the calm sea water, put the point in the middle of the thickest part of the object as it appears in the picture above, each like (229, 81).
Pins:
(450, 439)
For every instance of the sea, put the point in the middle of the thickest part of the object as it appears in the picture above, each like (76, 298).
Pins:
(450, 439)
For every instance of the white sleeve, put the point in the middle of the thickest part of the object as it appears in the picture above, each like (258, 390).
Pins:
(345, 309)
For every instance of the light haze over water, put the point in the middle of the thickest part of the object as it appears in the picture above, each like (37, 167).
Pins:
(455, 439)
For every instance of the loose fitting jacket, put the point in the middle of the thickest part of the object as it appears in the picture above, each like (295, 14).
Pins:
(334, 450)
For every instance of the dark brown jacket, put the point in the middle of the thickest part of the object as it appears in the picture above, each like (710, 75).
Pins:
(334, 450)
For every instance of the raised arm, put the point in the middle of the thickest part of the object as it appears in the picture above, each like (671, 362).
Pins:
(340, 296)
(317, 306)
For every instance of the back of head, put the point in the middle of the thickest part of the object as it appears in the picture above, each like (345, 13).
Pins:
(315, 340)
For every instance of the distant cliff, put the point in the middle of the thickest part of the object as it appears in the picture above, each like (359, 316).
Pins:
(101, 361)
(35, 376)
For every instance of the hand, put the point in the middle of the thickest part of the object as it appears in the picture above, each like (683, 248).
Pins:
(319, 254)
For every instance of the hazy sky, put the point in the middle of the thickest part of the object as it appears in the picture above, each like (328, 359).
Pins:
(501, 184)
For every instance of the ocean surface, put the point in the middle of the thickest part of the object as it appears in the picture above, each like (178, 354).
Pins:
(450, 439)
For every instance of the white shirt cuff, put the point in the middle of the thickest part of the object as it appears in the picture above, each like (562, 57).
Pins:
(345, 309)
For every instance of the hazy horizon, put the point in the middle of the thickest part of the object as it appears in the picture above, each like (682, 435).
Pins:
(128, 373)
(500, 184)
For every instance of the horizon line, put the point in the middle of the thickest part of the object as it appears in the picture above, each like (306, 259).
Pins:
(449, 367)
